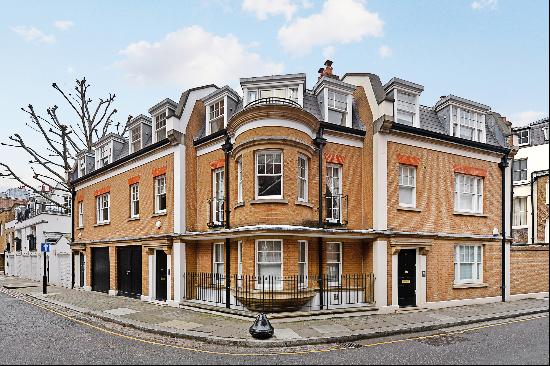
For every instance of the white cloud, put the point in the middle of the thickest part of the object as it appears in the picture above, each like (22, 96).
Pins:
(63, 24)
(482, 4)
(31, 34)
(339, 22)
(524, 118)
(385, 51)
(264, 8)
(192, 56)
(328, 52)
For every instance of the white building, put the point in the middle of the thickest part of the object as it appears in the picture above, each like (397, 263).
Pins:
(36, 223)
(530, 169)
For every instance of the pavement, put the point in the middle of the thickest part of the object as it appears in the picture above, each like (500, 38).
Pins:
(227, 329)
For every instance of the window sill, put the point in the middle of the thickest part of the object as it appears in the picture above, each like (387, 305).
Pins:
(270, 200)
(240, 204)
(469, 285)
(133, 218)
(302, 203)
(470, 214)
(102, 224)
(157, 214)
(80, 228)
(520, 227)
(414, 209)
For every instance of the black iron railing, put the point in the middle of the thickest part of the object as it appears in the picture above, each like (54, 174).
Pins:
(336, 209)
(273, 101)
(216, 212)
(39, 209)
(277, 294)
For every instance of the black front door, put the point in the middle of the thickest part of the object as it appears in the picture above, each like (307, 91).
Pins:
(129, 270)
(100, 269)
(82, 269)
(406, 278)
(161, 275)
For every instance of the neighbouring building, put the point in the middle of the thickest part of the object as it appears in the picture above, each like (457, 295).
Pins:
(530, 184)
(36, 222)
(280, 198)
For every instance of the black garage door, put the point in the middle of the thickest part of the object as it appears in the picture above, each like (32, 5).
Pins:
(129, 270)
(100, 269)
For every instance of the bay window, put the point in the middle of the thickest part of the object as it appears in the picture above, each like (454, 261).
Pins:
(269, 174)
(468, 264)
(468, 194)
(160, 194)
(407, 186)
(269, 263)
(302, 178)
(303, 263)
(103, 208)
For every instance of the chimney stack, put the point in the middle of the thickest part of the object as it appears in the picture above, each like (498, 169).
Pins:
(327, 70)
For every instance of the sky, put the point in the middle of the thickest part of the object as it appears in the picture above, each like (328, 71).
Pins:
(491, 51)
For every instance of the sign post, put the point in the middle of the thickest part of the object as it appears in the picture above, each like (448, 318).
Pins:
(45, 248)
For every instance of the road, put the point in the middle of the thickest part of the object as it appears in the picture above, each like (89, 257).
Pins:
(34, 335)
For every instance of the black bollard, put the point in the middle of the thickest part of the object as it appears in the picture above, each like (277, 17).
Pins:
(261, 329)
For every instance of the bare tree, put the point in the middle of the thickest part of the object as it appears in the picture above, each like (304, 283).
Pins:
(53, 162)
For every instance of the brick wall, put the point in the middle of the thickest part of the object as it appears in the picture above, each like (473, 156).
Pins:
(435, 193)
(528, 269)
(120, 223)
(5, 217)
(542, 208)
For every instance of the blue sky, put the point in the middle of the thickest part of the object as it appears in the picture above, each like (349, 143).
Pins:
(491, 51)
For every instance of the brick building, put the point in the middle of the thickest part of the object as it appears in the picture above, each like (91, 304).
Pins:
(281, 197)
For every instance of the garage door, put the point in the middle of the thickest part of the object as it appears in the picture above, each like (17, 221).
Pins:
(100, 269)
(129, 270)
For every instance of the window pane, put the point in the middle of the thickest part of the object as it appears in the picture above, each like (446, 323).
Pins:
(466, 271)
(406, 195)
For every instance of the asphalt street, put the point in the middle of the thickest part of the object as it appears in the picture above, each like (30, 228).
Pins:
(34, 335)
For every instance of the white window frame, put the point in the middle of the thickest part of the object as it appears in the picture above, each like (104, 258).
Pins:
(468, 118)
(104, 155)
(82, 166)
(280, 152)
(520, 137)
(407, 185)
(476, 196)
(303, 281)
(103, 208)
(240, 263)
(218, 186)
(407, 105)
(158, 194)
(545, 132)
(340, 267)
(240, 180)
(517, 163)
(134, 199)
(216, 112)
(339, 195)
(279, 284)
(81, 214)
(216, 262)
(160, 124)
(520, 217)
(135, 140)
(303, 180)
(477, 266)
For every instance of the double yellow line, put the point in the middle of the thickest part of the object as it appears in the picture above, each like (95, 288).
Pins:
(290, 353)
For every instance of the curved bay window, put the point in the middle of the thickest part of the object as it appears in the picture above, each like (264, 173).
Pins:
(269, 174)
(269, 264)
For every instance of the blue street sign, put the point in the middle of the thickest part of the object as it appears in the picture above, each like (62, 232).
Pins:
(45, 247)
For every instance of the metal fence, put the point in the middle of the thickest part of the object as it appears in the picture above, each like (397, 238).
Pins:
(272, 294)
(273, 101)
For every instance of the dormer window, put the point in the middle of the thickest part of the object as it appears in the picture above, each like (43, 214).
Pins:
(82, 166)
(160, 127)
(135, 139)
(337, 108)
(405, 108)
(523, 137)
(468, 124)
(216, 115)
(104, 155)
(545, 132)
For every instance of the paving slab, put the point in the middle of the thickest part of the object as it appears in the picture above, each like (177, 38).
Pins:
(120, 311)
(286, 334)
(330, 329)
(179, 324)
